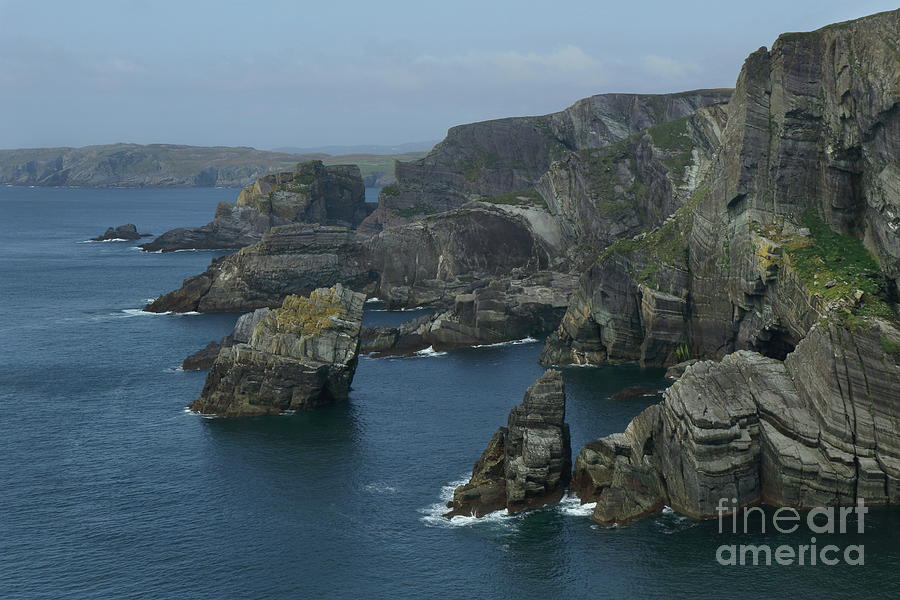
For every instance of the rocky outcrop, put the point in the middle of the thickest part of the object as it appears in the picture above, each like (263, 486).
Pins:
(311, 193)
(205, 357)
(817, 429)
(502, 310)
(431, 261)
(526, 464)
(121, 233)
(794, 215)
(502, 156)
(291, 259)
(300, 356)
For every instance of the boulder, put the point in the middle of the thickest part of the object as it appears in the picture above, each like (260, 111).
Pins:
(527, 464)
(300, 356)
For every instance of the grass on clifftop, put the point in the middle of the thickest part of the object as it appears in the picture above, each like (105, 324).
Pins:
(419, 208)
(835, 266)
(308, 316)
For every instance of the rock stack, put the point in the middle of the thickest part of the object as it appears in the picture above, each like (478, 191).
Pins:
(526, 464)
(122, 232)
(302, 355)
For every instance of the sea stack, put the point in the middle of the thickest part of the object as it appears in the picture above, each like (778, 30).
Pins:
(526, 464)
(302, 355)
(122, 232)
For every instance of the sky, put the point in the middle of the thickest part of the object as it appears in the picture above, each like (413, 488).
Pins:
(272, 73)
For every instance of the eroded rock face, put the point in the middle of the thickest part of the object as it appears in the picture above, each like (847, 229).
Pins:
(122, 232)
(501, 311)
(815, 430)
(243, 329)
(808, 137)
(312, 193)
(291, 259)
(526, 464)
(507, 155)
(431, 261)
(302, 355)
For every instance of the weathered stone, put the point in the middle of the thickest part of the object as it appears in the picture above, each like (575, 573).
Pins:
(817, 429)
(204, 358)
(312, 193)
(302, 355)
(528, 463)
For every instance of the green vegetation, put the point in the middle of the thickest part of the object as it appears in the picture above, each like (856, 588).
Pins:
(682, 352)
(419, 208)
(389, 191)
(520, 198)
(306, 316)
(482, 160)
(836, 266)
(890, 347)
(673, 139)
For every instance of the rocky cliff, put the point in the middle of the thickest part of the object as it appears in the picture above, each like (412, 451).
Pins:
(795, 213)
(291, 259)
(526, 464)
(503, 156)
(311, 193)
(817, 429)
(299, 356)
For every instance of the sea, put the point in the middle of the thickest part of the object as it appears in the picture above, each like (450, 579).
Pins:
(110, 489)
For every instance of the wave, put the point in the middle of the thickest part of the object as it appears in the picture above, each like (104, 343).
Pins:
(571, 506)
(429, 351)
(415, 308)
(102, 241)
(140, 312)
(527, 340)
(373, 300)
(380, 488)
(173, 370)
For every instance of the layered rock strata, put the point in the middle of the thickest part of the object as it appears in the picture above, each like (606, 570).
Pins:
(291, 259)
(312, 193)
(243, 329)
(302, 355)
(503, 156)
(526, 464)
(817, 429)
(500, 311)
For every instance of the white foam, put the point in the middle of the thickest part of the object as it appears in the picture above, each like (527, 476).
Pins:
(101, 241)
(571, 506)
(528, 340)
(380, 488)
(373, 300)
(173, 370)
(433, 515)
(201, 249)
(429, 351)
(140, 312)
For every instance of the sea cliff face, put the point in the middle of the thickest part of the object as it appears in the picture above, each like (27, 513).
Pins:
(311, 193)
(492, 158)
(299, 356)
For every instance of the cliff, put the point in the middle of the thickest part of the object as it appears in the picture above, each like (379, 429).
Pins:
(798, 211)
(503, 156)
(310, 193)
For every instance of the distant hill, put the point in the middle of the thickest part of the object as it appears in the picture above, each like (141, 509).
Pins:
(168, 165)
(370, 149)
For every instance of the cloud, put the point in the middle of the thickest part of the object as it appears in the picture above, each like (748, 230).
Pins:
(668, 67)
(568, 63)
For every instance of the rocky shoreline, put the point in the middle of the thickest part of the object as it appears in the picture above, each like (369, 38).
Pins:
(747, 240)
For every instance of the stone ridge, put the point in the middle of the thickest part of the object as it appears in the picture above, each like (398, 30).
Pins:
(527, 464)
(300, 356)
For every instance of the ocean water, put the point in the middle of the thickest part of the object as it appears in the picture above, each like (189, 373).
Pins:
(111, 490)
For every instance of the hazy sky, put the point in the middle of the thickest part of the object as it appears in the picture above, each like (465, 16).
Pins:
(274, 73)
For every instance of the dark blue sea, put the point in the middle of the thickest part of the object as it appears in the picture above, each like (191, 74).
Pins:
(110, 490)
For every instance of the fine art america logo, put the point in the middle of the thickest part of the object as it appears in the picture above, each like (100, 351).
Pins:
(818, 521)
